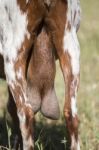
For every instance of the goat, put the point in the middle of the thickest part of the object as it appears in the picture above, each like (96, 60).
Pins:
(40, 83)
(20, 22)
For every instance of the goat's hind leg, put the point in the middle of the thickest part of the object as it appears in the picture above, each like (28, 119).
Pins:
(69, 66)
(69, 54)
(67, 46)
(26, 117)
(69, 61)
(12, 109)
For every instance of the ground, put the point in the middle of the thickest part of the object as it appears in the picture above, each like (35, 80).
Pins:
(51, 135)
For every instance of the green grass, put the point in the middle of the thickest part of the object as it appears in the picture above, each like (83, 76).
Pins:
(88, 94)
(52, 135)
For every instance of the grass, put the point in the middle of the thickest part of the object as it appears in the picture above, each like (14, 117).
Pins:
(88, 94)
(52, 135)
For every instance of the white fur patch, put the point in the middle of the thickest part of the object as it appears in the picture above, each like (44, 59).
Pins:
(27, 1)
(73, 106)
(9, 70)
(20, 99)
(74, 13)
(19, 73)
(70, 41)
(48, 2)
(27, 143)
(13, 29)
(22, 117)
(74, 144)
(74, 86)
(71, 45)
(78, 146)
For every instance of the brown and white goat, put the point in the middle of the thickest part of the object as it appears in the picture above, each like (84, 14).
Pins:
(20, 21)
(40, 85)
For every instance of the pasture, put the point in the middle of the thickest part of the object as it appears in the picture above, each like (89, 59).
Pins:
(50, 135)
